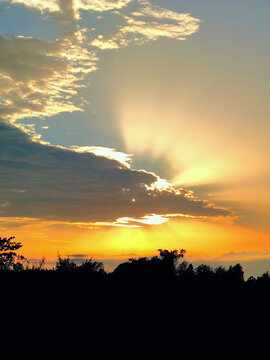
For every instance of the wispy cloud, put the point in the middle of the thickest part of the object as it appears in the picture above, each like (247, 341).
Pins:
(143, 21)
(149, 23)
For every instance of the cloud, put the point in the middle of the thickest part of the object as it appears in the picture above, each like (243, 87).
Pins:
(44, 5)
(105, 44)
(101, 5)
(40, 78)
(81, 186)
(59, 184)
(109, 153)
(66, 10)
(149, 23)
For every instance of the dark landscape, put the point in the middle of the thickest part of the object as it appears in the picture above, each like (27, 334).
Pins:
(162, 280)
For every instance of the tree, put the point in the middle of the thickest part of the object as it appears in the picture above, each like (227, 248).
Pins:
(236, 273)
(170, 258)
(65, 264)
(204, 274)
(91, 266)
(9, 260)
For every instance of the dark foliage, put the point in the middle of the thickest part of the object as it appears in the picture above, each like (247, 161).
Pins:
(8, 257)
(164, 286)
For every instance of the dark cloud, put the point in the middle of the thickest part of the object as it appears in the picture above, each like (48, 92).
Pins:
(53, 183)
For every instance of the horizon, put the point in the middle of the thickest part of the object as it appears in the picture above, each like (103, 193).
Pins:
(132, 125)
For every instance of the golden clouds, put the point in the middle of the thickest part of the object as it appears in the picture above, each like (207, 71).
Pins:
(148, 24)
(150, 220)
(100, 5)
(42, 79)
(67, 10)
(44, 5)
(39, 78)
(104, 44)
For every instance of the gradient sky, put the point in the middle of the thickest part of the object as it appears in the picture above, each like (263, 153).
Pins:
(130, 125)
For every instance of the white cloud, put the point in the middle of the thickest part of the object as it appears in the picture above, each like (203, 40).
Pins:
(109, 153)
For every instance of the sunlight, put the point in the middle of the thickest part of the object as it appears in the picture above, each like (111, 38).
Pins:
(152, 219)
(109, 153)
(160, 185)
(198, 151)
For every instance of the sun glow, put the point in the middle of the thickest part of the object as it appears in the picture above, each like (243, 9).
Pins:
(109, 153)
(195, 148)
(160, 185)
(152, 219)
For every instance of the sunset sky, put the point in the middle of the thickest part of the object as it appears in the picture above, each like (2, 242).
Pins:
(129, 125)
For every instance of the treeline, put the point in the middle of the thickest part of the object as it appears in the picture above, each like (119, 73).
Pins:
(168, 271)
(163, 294)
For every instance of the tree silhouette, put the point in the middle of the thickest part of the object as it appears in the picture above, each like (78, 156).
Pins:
(91, 266)
(9, 260)
(236, 273)
(65, 264)
(170, 258)
(150, 271)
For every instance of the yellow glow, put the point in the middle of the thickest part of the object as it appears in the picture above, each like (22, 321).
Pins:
(200, 239)
(152, 219)
(186, 144)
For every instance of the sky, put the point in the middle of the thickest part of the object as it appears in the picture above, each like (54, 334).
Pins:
(130, 125)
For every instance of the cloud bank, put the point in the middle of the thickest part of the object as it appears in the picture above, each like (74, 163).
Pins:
(53, 183)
